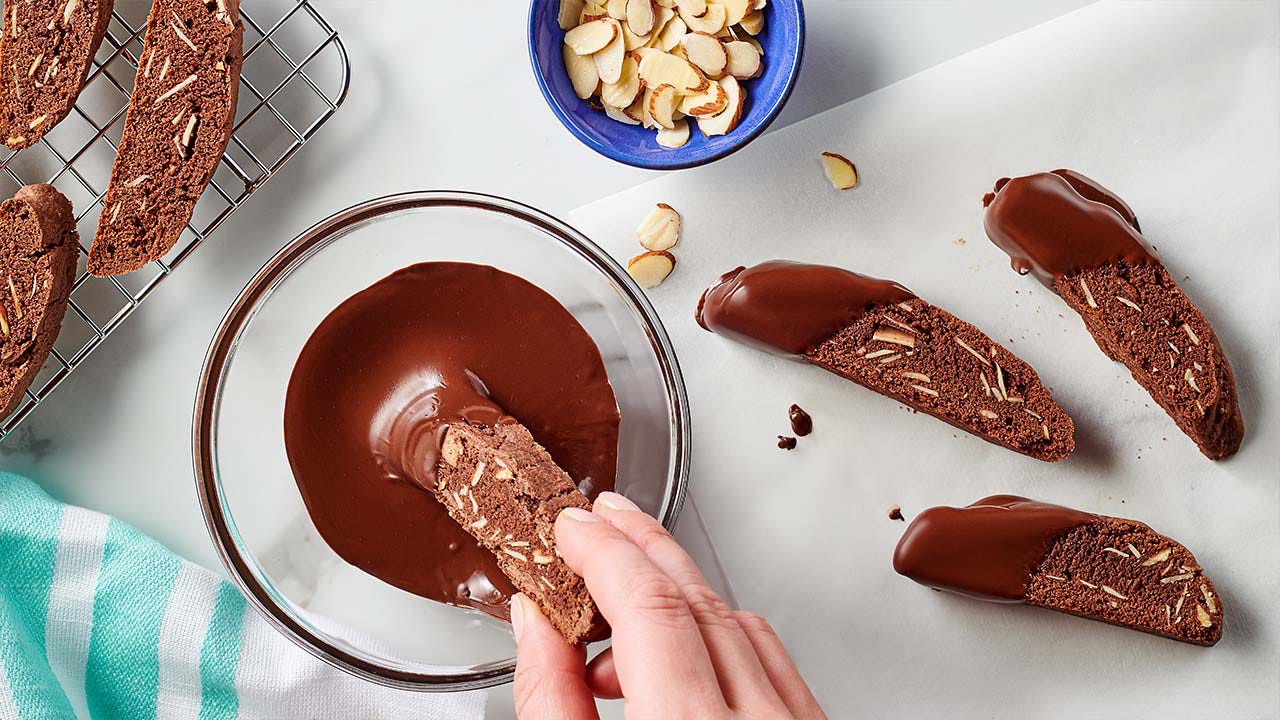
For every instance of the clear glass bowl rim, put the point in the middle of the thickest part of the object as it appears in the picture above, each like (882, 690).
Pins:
(242, 311)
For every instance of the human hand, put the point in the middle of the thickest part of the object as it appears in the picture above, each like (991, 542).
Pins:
(678, 650)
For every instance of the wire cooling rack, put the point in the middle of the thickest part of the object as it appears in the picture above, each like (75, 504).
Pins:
(295, 76)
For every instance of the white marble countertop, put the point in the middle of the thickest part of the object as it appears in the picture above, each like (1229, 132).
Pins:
(116, 436)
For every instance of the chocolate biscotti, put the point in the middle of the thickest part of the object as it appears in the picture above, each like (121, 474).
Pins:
(39, 247)
(177, 127)
(1010, 549)
(46, 53)
(1083, 242)
(881, 336)
(506, 491)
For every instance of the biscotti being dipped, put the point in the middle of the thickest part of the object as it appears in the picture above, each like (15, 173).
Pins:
(878, 334)
(46, 52)
(39, 247)
(1010, 549)
(504, 489)
(1084, 243)
(179, 121)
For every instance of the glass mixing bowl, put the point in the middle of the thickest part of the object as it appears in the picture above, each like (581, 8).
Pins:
(251, 503)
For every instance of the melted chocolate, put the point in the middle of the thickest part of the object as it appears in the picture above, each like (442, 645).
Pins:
(786, 308)
(801, 423)
(385, 371)
(986, 550)
(1057, 224)
(786, 443)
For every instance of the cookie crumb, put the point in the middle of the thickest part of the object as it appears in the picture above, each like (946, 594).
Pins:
(895, 513)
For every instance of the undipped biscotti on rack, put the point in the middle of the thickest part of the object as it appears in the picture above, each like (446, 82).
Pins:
(1010, 549)
(46, 54)
(878, 334)
(39, 247)
(1084, 243)
(179, 121)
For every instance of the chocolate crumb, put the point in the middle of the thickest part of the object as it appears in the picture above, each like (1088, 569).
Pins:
(801, 423)
(895, 513)
(786, 442)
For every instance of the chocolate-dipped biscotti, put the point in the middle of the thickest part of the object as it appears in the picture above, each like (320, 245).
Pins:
(506, 491)
(38, 251)
(1010, 549)
(881, 336)
(178, 125)
(1084, 243)
(46, 53)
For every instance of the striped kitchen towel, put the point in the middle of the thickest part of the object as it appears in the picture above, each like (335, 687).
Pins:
(99, 621)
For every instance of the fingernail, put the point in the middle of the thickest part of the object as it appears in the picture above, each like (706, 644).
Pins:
(579, 514)
(517, 614)
(614, 501)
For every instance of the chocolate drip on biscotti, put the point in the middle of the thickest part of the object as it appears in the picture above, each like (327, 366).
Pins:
(897, 345)
(1012, 549)
(506, 491)
(38, 251)
(177, 128)
(1092, 256)
(46, 53)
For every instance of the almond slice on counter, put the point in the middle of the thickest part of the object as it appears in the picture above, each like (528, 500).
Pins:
(744, 62)
(676, 136)
(727, 119)
(622, 93)
(641, 16)
(658, 68)
(711, 23)
(651, 268)
(592, 37)
(570, 13)
(662, 106)
(609, 59)
(709, 102)
(735, 10)
(842, 174)
(706, 52)
(582, 73)
(753, 22)
(660, 230)
(695, 8)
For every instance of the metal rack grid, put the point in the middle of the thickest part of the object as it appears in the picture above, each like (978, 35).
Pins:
(295, 76)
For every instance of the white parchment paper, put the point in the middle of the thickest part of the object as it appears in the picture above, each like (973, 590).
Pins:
(1174, 106)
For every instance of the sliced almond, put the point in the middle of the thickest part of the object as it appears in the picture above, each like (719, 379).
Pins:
(735, 10)
(617, 9)
(743, 60)
(726, 120)
(570, 11)
(632, 41)
(620, 115)
(753, 22)
(635, 111)
(641, 16)
(646, 119)
(651, 268)
(624, 92)
(609, 59)
(709, 102)
(658, 68)
(706, 52)
(590, 38)
(674, 31)
(662, 106)
(695, 8)
(660, 230)
(711, 22)
(676, 136)
(582, 73)
(842, 174)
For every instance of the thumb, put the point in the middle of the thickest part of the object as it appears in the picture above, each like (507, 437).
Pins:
(550, 673)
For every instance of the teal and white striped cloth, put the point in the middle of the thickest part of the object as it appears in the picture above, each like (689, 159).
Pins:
(99, 621)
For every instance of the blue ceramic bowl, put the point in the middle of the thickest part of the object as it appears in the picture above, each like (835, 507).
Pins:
(783, 42)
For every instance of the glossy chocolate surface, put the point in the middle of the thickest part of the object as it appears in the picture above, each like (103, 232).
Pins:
(386, 370)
